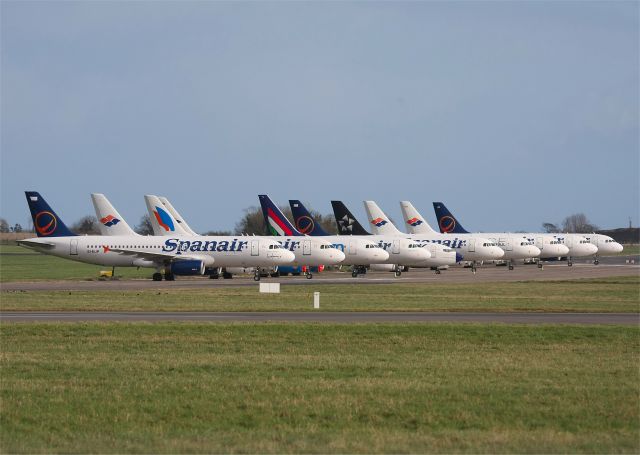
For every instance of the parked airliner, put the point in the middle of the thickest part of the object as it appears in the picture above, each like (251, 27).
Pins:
(308, 251)
(515, 246)
(577, 244)
(357, 251)
(176, 255)
(472, 247)
(402, 252)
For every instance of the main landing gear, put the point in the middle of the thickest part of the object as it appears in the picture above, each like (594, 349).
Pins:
(510, 264)
(168, 276)
(398, 271)
(570, 261)
(256, 275)
(358, 270)
(596, 261)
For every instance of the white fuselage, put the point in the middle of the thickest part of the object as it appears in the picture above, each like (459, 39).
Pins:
(311, 251)
(471, 247)
(577, 244)
(152, 251)
(407, 252)
(515, 246)
(358, 250)
(604, 243)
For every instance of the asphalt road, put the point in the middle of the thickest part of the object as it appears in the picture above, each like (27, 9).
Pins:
(330, 317)
(487, 273)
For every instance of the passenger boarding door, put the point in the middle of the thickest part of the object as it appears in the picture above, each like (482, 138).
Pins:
(73, 247)
(508, 246)
(306, 247)
(353, 247)
(472, 245)
(255, 248)
(395, 247)
(433, 250)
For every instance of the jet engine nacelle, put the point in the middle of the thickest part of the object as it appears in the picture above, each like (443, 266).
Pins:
(187, 268)
(382, 267)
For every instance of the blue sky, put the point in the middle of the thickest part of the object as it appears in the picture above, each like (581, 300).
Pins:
(512, 113)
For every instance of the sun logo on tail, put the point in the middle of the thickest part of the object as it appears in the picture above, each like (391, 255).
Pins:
(45, 223)
(447, 223)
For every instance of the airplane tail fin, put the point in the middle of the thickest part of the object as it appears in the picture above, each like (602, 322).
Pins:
(277, 223)
(161, 220)
(176, 215)
(380, 223)
(347, 223)
(304, 221)
(416, 224)
(446, 221)
(45, 221)
(109, 220)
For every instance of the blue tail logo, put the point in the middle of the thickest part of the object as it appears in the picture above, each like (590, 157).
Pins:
(446, 221)
(303, 219)
(45, 221)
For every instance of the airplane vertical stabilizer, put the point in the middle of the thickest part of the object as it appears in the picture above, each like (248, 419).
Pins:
(110, 222)
(416, 224)
(180, 220)
(45, 221)
(277, 223)
(161, 220)
(380, 223)
(446, 221)
(303, 220)
(347, 223)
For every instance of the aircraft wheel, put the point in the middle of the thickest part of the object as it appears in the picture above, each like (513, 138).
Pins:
(169, 277)
(256, 277)
(227, 276)
(214, 276)
(570, 264)
(510, 267)
(157, 277)
(596, 262)
(438, 272)
(309, 275)
(397, 273)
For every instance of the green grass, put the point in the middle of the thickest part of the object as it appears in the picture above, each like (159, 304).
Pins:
(22, 264)
(318, 388)
(594, 295)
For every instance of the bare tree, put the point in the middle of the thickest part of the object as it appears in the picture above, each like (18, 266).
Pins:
(578, 223)
(253, 221)
(550, 227)
(4, 226)
(144, 227)
(86, 225)
(217, 233)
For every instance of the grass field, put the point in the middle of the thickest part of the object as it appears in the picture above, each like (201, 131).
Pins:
(596, 295)
(318, 388)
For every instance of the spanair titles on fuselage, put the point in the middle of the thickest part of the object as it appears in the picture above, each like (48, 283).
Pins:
(471, 247)
(176, 255)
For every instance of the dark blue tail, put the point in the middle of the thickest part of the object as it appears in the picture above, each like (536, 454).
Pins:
(277, 223)
(347, 223)
(45, 221)
(304, 221)
(446, 221)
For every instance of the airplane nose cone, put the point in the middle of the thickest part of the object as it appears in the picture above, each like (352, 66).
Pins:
(459, 257)
(534, 251)
(592, 249)
(497, 252)
(423, 253)
(288, 257)
(563, 250)
(338, 256)
(617, 248)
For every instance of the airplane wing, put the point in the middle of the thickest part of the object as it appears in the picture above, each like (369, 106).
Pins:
(156, 257)
(38, 244)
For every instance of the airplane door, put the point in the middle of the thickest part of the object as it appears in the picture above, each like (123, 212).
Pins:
(433, 251)
(353, 247)
(395, 247)
(539, 243)
(472, 245)
(507, 243)
(306, 247)
(255, 248)
(73, 247)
